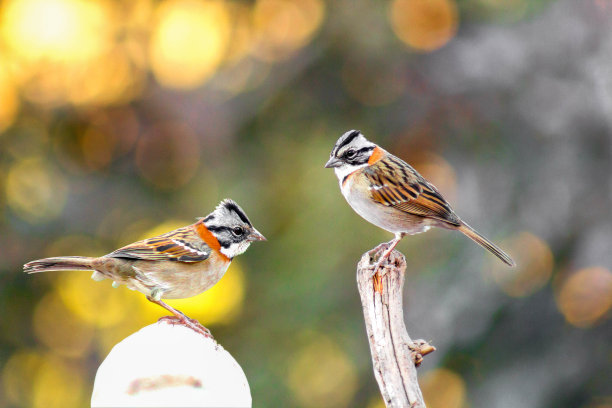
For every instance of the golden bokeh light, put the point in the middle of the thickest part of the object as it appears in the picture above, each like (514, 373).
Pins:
(241, 41)
(95, 303)
(108, 80)
(322, 375)
(105, 80)
(58, 385)
(18, 376)
(58, 328)
(35, 190)
(67, 51)
(534, 265)
(168, 155)
(9, 99)
(39, 380)
(585, 297)
(189, 41)
(443, 388)
(283, 26)
(56, 30)
(424, 25)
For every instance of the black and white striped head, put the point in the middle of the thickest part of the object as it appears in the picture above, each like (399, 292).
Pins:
(351, 152)
(232, 228)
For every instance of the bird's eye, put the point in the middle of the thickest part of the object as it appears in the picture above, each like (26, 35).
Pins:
(350, 153)
(238, 231)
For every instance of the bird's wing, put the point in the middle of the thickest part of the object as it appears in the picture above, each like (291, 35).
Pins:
(183, 245)
(394, 183)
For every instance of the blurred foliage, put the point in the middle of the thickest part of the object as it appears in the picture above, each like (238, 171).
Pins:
(121, 120)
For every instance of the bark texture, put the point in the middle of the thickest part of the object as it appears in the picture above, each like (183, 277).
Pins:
(395, 355)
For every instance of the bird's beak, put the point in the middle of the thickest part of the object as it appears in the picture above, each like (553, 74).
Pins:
(256, 236)
(333, 162)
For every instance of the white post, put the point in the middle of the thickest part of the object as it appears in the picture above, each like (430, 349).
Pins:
(163, 365)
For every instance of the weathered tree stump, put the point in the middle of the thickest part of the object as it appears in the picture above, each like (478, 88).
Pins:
(395, 355)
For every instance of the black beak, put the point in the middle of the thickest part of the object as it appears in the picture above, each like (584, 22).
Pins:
(333, 162)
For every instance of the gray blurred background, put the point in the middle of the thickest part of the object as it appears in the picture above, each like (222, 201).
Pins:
(121, 120)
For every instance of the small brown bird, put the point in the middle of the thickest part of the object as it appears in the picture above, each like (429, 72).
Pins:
(175, 265)
(389, 193)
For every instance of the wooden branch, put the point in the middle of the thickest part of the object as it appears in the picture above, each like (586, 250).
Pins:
(394, 355)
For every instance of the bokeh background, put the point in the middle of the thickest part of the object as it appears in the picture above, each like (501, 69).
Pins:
(121, 120)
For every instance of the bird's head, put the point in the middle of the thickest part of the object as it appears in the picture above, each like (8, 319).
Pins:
(351, 152)
(232, 228)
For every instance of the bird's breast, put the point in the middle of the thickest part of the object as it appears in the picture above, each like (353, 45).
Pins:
(178, 280)
(356, 192)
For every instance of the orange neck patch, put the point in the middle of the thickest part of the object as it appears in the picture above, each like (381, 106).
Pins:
(209, 239)
(377, 154)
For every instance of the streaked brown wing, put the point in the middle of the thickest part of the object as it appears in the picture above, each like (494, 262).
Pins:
(394, 183)
(182, 245)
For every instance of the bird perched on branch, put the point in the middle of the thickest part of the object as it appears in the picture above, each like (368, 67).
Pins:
(175, 265)
(389, 193)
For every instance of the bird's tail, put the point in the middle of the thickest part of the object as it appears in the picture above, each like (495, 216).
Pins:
(486, 244)
(61, 263)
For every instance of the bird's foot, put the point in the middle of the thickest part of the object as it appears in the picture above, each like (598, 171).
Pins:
(386, 248)
(183, 320)
(380, 248)
(418, 349)
(379, 266)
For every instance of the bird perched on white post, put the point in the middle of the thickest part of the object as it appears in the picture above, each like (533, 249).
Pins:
(175, 265)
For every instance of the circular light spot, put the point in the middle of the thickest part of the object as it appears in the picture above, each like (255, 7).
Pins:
(35, 190)
(105, 80)
(95, 303)
(443, 388)
(18, 376)
(57, 328)
(283, 26)
(56, 30)
(534, 265)
(58, 384)
(424, 25)
(41, 380)
(241, 32)
(586, 296)
(189, 41)
(168, 156)
(322, 375)
(8, 96)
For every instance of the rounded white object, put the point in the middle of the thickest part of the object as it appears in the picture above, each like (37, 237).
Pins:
(165, 365)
